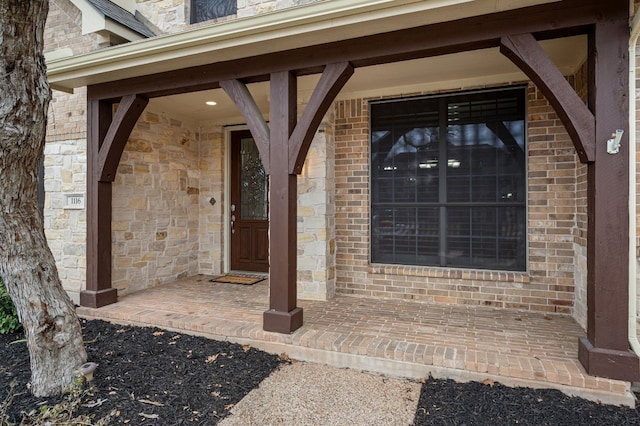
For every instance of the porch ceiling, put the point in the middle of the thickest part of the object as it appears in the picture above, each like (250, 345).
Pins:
(448, 72)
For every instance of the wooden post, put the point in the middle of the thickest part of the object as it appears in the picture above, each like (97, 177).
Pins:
(605, 351)
(283, 149)
(283, 315)
(98, 290)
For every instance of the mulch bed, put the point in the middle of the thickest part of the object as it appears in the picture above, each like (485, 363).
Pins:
(445, 402)
(156, 377)
(150, 376)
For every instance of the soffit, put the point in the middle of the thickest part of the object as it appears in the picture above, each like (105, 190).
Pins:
(479, 68)
(317, 23)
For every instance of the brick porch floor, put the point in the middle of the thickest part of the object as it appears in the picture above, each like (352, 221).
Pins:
(392, 337)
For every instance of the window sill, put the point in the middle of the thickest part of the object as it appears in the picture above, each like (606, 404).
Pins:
(449, 273)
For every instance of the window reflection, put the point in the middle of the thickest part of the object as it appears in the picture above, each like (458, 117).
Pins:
(206, 10)
(448, 180)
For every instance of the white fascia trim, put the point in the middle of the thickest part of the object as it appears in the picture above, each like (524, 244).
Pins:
(92, 19)
(633, 127)
(65, 52)
(316, 23)
(120, 30)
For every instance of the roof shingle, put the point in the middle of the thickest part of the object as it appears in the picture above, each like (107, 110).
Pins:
(121, 16)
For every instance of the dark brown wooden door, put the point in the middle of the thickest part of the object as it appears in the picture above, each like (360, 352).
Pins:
(249, 206)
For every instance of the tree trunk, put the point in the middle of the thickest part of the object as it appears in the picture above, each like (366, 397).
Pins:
(52, 329)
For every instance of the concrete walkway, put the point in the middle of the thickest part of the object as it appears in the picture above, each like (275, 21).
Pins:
(394, 337)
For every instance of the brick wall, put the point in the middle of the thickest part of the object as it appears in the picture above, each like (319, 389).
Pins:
(67, 112)
(553, 223)
(580, 84)
(64, 29)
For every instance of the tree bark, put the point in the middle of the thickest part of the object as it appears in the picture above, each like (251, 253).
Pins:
(27, 266)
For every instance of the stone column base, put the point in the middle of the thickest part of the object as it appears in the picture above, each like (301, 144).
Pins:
(282, 322)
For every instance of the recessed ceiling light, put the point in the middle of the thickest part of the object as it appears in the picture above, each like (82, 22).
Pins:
(212, 103)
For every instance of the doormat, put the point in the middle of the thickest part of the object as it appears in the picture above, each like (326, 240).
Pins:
(238, 279)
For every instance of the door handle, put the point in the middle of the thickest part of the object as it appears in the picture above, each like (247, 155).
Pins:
(233, 221)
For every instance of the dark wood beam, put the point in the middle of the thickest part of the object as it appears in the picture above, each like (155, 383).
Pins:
(129, 110)
(524, 51)
(98, 290)
(283, 315)
(568, 17)
(333, 79)
(244, 101)
(605, 351)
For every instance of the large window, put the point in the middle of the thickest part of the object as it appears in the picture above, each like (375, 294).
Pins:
(448, 179)
(205, 10)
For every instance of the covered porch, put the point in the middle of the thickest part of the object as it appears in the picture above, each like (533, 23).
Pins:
(133, 78)
(394, 337)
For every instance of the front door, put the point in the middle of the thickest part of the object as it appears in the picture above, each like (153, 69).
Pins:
(249, 206)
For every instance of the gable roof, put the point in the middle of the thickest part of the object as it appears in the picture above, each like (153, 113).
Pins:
(121, 16)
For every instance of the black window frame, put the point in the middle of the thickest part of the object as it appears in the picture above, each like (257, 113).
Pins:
(218, 9)
(484, 228)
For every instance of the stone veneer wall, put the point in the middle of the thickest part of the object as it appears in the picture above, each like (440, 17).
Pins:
(162, 229)
(155, 225)
(170, 187)
(212, 202)
(316, 217)
(65, 153)
(66, 229)
(258, 7)
(171, 16)
(165, 159)
(552, 223)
